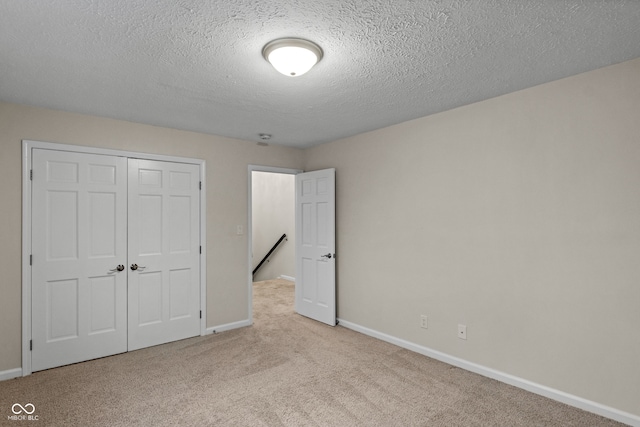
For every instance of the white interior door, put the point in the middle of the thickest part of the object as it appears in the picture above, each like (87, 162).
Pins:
(315, 246)
(164, 252)
(79, 297)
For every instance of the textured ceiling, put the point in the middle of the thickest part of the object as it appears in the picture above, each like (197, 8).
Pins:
(197, 65)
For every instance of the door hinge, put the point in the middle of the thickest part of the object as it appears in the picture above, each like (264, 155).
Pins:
(30, 345)
(31, 174)
(200, 249)
(200, 185)
(201, 314)
(30, 259)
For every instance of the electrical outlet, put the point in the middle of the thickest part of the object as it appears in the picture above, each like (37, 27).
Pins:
(462, 332)
(423, 322)
(239, 230)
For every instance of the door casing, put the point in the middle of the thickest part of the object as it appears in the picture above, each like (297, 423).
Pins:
(27, 146)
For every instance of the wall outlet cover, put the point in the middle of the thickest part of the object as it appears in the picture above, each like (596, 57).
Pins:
(424, 322)
(462, 332)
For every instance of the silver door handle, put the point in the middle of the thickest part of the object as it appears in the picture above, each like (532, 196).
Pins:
(135, 267)
(120, 267)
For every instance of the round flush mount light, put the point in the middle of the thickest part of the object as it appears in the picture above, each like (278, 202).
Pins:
(291, 56)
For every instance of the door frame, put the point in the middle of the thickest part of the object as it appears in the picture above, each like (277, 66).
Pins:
(27, 146)
(257, 168)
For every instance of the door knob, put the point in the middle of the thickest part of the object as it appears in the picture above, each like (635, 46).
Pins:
(135, 267)
(327, 256)
(120, 267)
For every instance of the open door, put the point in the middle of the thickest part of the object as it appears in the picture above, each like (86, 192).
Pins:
(315, 246)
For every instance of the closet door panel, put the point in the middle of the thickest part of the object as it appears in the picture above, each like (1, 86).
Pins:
(164, 252)
(79, 237)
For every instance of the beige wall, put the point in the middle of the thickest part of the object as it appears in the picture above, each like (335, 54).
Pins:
(519, 217)
(227, 201)
(273, 214)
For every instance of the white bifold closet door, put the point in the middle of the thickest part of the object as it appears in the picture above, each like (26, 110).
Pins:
(79, 238)
(164, 243)
(115, 255)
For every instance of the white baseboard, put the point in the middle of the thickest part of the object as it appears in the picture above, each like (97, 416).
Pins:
(14, 373)
(11, 373)
(228, 326)
(560, 396)
(289, 278)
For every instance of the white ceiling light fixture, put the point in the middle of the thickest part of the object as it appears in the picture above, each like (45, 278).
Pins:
(292, 57)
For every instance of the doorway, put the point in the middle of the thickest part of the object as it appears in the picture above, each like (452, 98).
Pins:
(271, 227)
(314, 247)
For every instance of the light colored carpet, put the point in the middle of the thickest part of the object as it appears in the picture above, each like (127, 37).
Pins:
(286, 370)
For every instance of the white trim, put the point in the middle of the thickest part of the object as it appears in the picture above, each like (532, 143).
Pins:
(26, 258)
(560, 396)
(249, 228)
(203, 246)
(289, 278)
(109, 152)
(10, 373)
(273, 169)
(27, 147)
(229, 326)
